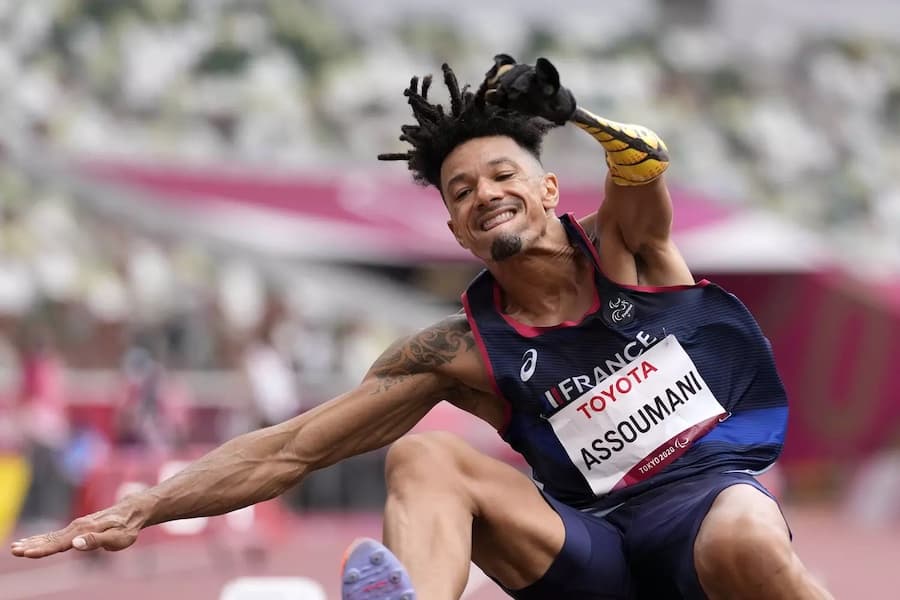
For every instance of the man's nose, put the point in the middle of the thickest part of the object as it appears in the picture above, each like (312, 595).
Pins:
(488, 191)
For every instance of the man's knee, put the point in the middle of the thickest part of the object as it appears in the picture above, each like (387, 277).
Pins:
(743, 541)
(423, 457)
(743, 546)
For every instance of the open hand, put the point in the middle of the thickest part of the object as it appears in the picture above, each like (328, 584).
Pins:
(114, 528)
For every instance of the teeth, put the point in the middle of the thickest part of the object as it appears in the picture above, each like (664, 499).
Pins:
(497, 220)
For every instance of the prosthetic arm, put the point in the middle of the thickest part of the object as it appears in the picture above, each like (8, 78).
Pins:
(635, 155)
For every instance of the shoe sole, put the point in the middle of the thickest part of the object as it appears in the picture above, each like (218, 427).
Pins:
(369, 571)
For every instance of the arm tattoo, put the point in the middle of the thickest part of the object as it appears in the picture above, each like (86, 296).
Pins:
(430, 348)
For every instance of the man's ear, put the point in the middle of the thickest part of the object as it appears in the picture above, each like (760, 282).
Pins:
(549, 190)
(453, 231)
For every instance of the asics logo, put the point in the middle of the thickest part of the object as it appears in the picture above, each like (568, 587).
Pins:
(530, 358)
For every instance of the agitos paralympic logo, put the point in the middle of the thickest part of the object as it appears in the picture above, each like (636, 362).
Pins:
(572, 387)
(619, 311)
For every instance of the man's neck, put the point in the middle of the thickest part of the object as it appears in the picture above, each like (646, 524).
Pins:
(547, 284)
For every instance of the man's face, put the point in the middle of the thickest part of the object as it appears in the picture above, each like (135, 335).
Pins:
(497, 195)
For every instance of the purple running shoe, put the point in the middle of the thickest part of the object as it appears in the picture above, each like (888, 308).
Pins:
(370, 571)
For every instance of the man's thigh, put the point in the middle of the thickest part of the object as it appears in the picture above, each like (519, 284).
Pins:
(590, 565)
(662, 526)
(524, 540)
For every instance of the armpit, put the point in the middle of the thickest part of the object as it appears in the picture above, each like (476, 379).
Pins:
(484, 405)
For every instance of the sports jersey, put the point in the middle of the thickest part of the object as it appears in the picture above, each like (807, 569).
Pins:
(653, 384)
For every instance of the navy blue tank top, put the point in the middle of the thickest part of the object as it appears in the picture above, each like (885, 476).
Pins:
(540, 370)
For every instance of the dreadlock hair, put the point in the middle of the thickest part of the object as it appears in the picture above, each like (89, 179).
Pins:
(437, 133)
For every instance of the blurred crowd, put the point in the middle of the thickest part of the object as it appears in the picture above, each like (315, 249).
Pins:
(113, 338)
(97, 282)
(800, 119)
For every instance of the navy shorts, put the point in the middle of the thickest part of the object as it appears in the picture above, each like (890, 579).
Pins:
(643, 549)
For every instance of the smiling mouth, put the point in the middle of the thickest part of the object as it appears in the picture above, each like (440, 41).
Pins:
(497, 220)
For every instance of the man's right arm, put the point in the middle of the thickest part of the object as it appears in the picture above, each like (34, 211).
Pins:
(400, 388)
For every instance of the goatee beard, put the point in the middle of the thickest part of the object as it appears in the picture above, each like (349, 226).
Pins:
(506, 246)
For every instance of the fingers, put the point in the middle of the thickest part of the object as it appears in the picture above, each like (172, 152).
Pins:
(547, 78)
(502, 62)
(547, 75)
(38, 546)
(86, 533)
(504, 59)
(518, 81)
(111, 539)
(510, 83)
(533, 90)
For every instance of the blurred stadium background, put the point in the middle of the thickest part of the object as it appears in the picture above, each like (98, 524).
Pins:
(196, 239)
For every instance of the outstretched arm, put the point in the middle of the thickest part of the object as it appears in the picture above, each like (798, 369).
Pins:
(401, 387)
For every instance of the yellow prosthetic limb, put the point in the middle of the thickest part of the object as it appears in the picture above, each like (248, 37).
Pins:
(635, 154)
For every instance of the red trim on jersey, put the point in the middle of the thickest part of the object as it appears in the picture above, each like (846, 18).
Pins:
(507, 412)
(663, 288)
(587, 240)
(531, 331)
(636, 288)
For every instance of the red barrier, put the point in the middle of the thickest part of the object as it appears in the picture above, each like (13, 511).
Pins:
(836, 350)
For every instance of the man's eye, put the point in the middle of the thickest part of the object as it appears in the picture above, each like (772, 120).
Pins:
(462, 193)
(504, 175)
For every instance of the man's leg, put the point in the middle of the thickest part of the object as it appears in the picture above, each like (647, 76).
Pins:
(743, 550)
(444, 497)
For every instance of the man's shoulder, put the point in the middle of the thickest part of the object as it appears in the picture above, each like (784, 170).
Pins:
(452, 333)
(457, 320)
(431, 349)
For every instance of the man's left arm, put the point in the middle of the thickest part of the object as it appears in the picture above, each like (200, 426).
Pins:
(635, 217)
(633, 224)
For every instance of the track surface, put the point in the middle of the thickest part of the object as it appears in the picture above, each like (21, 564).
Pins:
(854, 561)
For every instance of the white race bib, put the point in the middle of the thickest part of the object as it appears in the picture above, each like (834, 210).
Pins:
(639, 419)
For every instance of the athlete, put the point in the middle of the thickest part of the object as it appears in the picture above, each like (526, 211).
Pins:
(643, 401)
